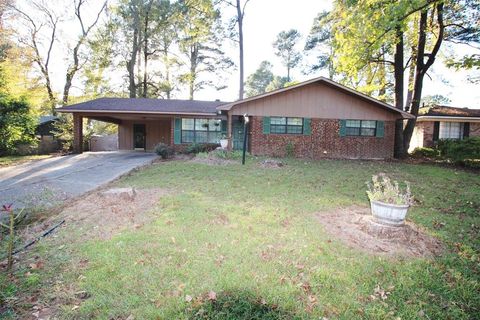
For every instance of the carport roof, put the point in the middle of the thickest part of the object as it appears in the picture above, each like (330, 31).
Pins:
(143, 105)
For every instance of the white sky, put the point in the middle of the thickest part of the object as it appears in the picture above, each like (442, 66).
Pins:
(264, 19)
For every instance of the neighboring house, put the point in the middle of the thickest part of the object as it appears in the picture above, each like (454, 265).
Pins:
(444, 122)
(318, 118)
(45, 132)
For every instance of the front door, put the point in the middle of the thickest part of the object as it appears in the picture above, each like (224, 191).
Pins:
(139, 134)
(238, 133)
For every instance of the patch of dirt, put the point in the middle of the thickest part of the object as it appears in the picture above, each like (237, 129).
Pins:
(271, 164)
(355, 227)
(103, 213)
(213, 160)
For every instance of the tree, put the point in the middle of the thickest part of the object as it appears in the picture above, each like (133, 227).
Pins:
(85, 30)
(277, 83)
(285, 49)
(238, 21)
(200, 43)
(436, 99)
(378, 35)
(46, 19)
(319, 40)
(17, 124)
(258, 81)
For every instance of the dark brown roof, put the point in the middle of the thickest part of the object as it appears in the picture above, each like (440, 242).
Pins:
(145, 105)
(446, 111)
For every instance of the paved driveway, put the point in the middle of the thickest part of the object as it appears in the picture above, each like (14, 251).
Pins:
(46, 182)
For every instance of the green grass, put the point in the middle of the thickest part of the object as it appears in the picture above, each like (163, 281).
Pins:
(250, 235)
(13, 160)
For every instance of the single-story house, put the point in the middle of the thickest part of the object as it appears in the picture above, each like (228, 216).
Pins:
(318, 118)
(444, 122)
(45, 133)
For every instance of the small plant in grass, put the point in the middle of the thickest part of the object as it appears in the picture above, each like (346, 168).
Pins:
(290, 150)
(163, 150)
(382, 189)
(12, 221)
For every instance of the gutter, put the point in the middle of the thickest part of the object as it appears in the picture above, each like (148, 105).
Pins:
(440, 118)
(136, 112)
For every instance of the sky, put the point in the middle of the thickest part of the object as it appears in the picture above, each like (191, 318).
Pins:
(264, 19)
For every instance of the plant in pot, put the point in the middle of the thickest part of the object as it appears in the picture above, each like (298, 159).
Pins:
(224, 142)
(389, 203)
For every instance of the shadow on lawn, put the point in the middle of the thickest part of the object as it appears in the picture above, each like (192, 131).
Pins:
(238, 305)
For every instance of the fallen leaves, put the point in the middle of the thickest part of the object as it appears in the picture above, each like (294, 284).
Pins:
(382, 294)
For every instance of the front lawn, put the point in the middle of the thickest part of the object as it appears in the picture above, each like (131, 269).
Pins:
(244, 242)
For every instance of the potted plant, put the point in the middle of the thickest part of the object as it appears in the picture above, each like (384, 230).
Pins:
(224, 142)
(389, 204)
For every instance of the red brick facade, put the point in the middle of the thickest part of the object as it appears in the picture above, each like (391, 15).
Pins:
(324, 142)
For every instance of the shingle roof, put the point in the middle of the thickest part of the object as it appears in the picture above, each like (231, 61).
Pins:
(145, 105)
(446, 111)
(44, 119)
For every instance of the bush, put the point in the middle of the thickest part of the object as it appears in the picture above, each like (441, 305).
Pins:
(164, 150)
(195, 148)
(460, 151)
(227, 155)
(425, 152)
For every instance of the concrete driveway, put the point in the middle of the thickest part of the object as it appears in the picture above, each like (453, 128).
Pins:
(50, 181)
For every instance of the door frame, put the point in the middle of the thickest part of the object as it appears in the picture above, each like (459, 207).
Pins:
(134, 131)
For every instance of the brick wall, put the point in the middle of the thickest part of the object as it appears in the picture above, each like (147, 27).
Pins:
(474, 129)
(324, 142)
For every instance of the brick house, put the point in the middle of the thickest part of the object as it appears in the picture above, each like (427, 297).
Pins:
(444, 122)
(318, 118)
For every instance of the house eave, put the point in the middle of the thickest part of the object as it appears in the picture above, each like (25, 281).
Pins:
(448, 118)
(138, 112)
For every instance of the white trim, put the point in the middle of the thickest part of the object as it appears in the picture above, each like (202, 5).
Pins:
(137, 112)
(229, 106)
(448, 118)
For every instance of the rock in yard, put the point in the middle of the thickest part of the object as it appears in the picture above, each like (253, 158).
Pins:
(124, 193)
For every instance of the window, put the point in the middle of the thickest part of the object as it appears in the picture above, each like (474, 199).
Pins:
(367, 128)
(451, 130)
(201, 130)
(283, 125)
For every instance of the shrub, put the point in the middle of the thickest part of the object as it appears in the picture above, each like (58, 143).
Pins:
(195, 148)
(382, 189)
(460, 151)
(425, 152)
(163, 150)
(227, 155)
(290, 150)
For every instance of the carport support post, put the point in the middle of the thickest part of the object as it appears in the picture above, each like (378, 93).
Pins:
(77, 133)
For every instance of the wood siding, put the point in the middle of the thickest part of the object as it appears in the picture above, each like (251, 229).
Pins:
(156, 131)
(316, 100)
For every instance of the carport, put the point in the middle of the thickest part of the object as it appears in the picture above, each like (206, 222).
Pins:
(142, 123)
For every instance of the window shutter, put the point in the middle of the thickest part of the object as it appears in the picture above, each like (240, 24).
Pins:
(177, 131)
(380, 129)
(466, 129)
(343, 128)
(266, 125)
(436, 130)
(224, 126)
(307, 129)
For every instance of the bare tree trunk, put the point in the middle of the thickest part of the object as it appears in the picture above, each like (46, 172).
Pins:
(422, 67)
(411, 80)
(399, 152)
(240, 39)
(132, 88)
(75, 66)
(193, 70)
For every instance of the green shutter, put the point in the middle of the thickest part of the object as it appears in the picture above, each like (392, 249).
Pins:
(343, 128)
(224, 126)
(177, 132)
(307, 129)
(380, 129)
(266, 125)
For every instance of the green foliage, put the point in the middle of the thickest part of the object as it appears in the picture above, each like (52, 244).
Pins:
(290, 150)
(436, 99)
(195, 148)
(382, 189)
(319, 41)
(425, 152)
(277, 83)
(460, 151)
(64, 131)
(17, 125)
(258, 81)
(164, 150)
(285, 49)
(227, 155)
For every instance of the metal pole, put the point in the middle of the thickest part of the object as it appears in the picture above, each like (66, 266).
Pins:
(245, 126)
